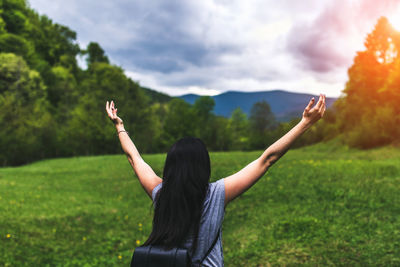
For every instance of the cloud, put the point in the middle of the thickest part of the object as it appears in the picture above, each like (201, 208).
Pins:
(167, 40)
(180, 46)
(329, 42)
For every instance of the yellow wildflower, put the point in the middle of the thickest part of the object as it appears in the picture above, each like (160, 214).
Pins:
(140, 225)
(8, 235)
(138, 242)
(84, 238)
(119, 257)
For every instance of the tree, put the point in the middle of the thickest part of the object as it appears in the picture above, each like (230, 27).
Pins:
(222, 137)
(238, 126)
(368, 75)
(202, 109)
(392, 87)
(2, 24)
(261, 121)
(369, 92)
(95, 54)
(14, 15)
(179, 122)
(11, 43)
(62, 89)
(54, 103)
(25, 121)
(89, 130)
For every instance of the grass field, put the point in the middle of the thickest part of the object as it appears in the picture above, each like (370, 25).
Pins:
(318, 206)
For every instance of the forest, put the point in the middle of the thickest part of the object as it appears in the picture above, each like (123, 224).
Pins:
(51, 107)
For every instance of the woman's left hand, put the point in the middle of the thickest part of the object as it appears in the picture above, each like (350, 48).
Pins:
(112, 113)
(312, 114)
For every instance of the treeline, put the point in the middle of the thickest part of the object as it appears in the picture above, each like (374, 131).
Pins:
(50, 107)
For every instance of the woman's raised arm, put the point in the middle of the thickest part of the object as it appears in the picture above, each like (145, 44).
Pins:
(147, 177)
(238, 183)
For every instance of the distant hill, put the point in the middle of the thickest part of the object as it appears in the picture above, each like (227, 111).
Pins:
(285, 105)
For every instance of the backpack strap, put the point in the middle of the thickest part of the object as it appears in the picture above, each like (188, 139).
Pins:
(212, 246)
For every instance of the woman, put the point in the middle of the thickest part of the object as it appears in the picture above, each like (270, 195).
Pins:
(188, 209)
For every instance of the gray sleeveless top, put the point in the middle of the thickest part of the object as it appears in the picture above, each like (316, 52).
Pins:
(210, 222)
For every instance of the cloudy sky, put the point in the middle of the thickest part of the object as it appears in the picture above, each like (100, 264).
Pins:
(212, 46)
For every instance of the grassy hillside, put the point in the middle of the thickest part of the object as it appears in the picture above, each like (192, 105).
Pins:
(320, 205)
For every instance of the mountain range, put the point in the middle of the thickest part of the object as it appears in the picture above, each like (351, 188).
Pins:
(285, 105)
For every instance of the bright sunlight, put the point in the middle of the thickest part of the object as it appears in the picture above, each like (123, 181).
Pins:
(394, 19)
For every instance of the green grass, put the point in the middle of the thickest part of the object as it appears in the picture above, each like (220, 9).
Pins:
(318, 206)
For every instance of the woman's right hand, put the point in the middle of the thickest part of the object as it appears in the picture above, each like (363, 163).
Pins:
(112, 113)
(312, 115)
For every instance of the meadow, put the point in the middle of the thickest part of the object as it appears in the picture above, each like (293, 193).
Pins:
(322, 205)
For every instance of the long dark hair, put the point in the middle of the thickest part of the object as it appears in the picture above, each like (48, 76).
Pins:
(179, 203)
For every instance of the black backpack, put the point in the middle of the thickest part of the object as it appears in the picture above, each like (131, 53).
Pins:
(157, 256)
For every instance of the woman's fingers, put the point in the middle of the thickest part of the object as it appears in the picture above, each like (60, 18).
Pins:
(114, 110)
(109, 107)
(313, 114)
(322, 107)
(320, 100)
(310, 104)
(111, 110)
(322, 104)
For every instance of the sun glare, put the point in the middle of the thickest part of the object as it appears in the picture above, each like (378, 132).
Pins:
(395, 20)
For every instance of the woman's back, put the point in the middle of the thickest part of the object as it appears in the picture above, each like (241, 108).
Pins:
(199, 205)
(210, 223)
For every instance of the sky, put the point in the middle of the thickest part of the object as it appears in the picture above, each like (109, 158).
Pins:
(208, 47)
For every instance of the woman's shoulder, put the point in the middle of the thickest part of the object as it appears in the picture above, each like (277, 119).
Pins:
(217, 187)
(219, 183)
(214, 189)
(155, 190)
(216, 194)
